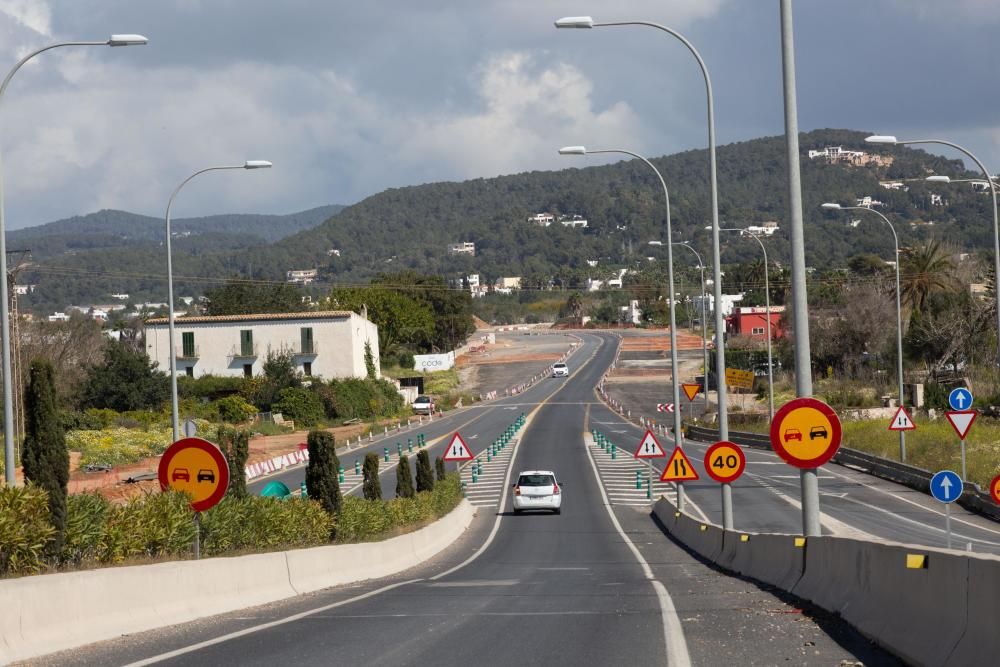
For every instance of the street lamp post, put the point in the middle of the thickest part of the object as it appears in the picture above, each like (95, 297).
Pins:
(586, 22)
(891, 140)
(899, 311)
(704, 315)
(767, 310)
(249, 164)
(678, 436)
(5, 346)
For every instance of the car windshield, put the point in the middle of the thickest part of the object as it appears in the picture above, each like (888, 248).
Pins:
(560, 366)
(536, 480)
(423, 399)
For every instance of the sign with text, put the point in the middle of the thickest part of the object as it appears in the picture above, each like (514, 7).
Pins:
(739, 379)
(725, 462)
(433, 362)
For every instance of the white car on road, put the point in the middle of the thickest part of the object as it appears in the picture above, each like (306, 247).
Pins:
(537, 490)
(560, 370)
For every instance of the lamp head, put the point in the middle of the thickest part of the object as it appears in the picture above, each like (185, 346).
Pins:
(575, 22)
(832, 206)
(127, 40)
(881, 139)
(573, 150)
(256, 164)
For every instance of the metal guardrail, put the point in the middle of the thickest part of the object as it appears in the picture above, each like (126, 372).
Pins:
(973, 498)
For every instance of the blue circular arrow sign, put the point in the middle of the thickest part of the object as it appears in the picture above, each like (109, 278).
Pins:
(960, 399)
(946, 486)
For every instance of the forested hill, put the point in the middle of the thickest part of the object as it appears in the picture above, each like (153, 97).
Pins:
(410, 228)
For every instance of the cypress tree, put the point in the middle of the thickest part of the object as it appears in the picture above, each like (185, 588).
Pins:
(404, 478)
(439, 468)
(425, 476)
(235, 446)
(45, 457)
(371, 487)
(321, 471)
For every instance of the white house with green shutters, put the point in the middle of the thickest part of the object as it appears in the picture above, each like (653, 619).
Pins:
(327, 344)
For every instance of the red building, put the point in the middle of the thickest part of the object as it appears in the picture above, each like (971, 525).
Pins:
(752, 322)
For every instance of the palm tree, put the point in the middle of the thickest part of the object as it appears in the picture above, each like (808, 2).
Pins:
(927, 269)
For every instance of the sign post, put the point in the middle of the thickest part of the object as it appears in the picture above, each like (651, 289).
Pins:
(196, 467)
(961, 417)
(806, 433)
(946, 487)
(457, 451)
(649, 449)
(725, 462)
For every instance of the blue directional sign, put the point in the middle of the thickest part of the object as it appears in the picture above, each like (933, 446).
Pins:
(946, 486)
(960, 399)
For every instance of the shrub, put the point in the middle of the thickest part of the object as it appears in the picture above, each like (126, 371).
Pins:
(235, 410)
(404, 478)
(361, 520)
(44, 456)
(322, 483)
(25, 529)
(255, 523)
(118, 446)
(405, 359)
(208, 387)
(235, 446)
(371, 486)
(86, 516)
(158, 524)
(439, 468)
(356, 398)
(301, 405)
(425, 476)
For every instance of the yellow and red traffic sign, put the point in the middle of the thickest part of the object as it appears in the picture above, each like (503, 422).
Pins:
(196, 467)
(679, 468)
(725, 462)
(805, 433)
(691, 390)
(995, 489)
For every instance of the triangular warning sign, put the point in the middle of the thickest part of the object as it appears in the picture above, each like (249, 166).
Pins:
(961, 421)
(901, 421)
(457, 450)
(691, 390)
(649, 448)
(679, 468)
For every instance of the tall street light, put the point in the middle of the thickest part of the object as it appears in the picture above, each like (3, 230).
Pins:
(767, 301)
(8, 394)
(704, 313)
(249, 164)
(674, 370)
(586, 22)
(893, 141)
(899, 311)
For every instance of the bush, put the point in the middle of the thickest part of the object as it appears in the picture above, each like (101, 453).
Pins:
(363, 399)
(361, 520)
(439, 468)
(404, 478)
(235, 409)
(301, 405)
(208, 387)
(405, 360)
(118, 446)
(158, 524)
(322, 481)
(86, 516)
(254, 523)
(372, 486)
(235, 446)
(425, 476)
(25, 529)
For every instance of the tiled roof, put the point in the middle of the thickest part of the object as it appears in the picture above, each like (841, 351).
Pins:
(262, 317)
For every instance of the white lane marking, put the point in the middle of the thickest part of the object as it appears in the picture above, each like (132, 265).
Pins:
(835, 526)
(263, 626)
(673, 633)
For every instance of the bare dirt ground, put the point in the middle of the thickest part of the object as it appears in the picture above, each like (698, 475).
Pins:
(515, 358)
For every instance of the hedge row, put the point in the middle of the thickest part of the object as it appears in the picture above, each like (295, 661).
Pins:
(160, 525)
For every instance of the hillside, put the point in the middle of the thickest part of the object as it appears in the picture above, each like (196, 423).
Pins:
(410, 228)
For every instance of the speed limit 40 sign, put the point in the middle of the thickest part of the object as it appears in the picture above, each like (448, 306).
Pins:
(725, 462)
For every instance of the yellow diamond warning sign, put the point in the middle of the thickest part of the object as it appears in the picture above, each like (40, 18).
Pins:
(679, 468)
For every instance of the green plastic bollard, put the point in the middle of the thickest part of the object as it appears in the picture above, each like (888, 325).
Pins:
(614, 452)
(385, 453)
(489, 455)
(340, 475)
(409, 445)
(357, 467)
(475, 478)
(399, 449)
(638, 479)
(303, 491)
(649, 490)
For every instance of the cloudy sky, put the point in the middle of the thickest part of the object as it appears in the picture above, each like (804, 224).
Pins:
(350, 98)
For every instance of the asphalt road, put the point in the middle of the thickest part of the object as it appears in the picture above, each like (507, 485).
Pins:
(599, 584)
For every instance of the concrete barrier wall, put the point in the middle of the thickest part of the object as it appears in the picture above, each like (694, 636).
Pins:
(54, 612)
(927, 606)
